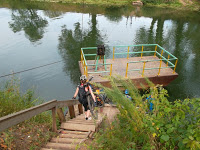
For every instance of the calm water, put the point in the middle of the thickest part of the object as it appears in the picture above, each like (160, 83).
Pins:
(34, 34)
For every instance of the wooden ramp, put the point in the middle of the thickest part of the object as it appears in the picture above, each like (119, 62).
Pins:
(73, 133)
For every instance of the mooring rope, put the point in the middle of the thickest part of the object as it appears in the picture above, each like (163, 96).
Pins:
(30, 69)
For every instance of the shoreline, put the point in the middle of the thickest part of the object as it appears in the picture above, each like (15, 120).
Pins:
(194, 6)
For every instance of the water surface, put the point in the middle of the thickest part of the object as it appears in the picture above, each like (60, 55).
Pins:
(34, 34)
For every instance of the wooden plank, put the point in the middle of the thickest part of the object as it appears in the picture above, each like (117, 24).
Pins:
(60, 146)
(61, 115)
(54, 127)
(81, 122)
(13, 119)
(66, 140)
(74, 132)
(78, 127)
(73, 136)
(72, 111)
(49, 149)
(66, 103)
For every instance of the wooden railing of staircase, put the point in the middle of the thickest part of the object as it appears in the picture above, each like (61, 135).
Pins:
(53, 105)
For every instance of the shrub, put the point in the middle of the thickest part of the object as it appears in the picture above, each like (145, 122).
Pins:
(169, 126)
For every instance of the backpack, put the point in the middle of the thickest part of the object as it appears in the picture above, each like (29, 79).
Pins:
(81, 94)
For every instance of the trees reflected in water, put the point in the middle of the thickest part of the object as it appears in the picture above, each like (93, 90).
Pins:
(30, 22)
(71, 41)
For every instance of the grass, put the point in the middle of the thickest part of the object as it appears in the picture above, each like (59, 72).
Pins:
(168, 126)
(30, 134)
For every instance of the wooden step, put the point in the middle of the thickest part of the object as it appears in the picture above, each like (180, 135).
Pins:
(48, 149)
(78, 127)
(73, 136)
(80, 122)
(66, 140)
(74, 132)
(61, 146)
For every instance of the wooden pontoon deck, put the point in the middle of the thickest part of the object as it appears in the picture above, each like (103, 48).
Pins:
(119, 68)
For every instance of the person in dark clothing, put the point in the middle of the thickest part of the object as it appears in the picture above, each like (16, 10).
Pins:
(81, 91)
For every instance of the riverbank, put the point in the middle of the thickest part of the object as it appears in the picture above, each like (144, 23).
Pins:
(192, 5)
(30, 134)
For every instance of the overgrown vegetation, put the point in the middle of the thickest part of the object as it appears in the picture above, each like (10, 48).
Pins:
(169, 126)
(31, 134)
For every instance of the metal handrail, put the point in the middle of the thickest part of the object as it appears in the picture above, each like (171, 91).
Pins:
(85, 65)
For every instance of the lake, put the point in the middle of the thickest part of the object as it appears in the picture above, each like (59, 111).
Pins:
(36, 34)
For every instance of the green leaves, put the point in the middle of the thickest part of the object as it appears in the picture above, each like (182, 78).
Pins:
(169, 126)
(165, 137)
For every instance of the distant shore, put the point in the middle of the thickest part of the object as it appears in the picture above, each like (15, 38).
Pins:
(193, 5)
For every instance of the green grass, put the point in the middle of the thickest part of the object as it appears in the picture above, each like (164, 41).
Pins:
(169, 126)
(30, 134)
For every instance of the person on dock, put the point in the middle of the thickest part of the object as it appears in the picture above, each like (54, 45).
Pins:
(126, 92)
(150, 104)
(81, 91)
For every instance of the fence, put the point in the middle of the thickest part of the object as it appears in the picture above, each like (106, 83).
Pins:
(53, 105)
(158, 51)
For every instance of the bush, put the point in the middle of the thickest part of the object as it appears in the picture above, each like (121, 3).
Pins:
(30, 134)
(169, 126)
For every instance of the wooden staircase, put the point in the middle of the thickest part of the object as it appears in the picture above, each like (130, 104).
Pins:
(73, 132)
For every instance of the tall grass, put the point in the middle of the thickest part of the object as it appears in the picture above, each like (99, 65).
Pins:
(169, 126)
(30, 134)
(12, 100)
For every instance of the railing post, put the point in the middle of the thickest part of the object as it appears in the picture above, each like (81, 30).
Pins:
(167, 60)
(159, 67)
(155, 51)
(143, 69)
(142, 51)
(161, 54)
(126, 70)
(71, 111)
(61, 115)
(113, 53)
(175, 65)
(80, 108)
(110, 69)
(86, 71)
(54, 127)
(128, 53)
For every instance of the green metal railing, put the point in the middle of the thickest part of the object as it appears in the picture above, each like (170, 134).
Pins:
(155, 53)
(85, 65)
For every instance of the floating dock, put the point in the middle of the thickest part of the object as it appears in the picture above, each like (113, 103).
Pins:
(152, 62)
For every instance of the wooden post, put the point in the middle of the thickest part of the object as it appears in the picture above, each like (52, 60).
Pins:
(61, 115)
(54, 127)
(71, 111)
(80, 108)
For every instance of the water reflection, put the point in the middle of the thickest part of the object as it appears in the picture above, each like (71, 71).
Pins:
(177, 32)
(30, 22)
(70, 43)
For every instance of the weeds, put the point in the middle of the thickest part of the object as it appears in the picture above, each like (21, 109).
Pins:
(30, 134)
(169, 126)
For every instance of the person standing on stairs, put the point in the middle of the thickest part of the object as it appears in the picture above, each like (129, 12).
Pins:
(81, 91)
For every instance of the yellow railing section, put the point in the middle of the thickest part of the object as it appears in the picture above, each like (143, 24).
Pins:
(85, 65)
(156, 50)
